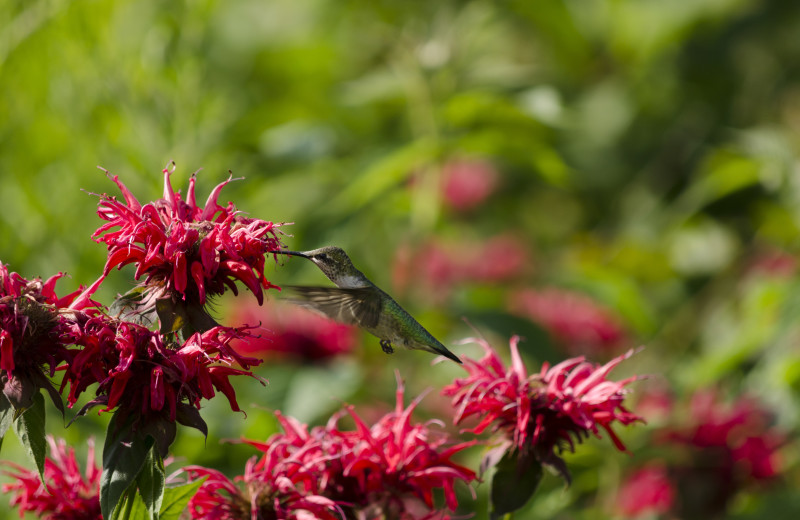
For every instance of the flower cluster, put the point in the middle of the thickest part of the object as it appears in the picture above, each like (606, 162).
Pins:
(155, 377)
(543, 412)
(437, 267)
(573, 319)
(291, 332)
(387, 470)
(31, 319)
(721, 449)
(183, 248)
(466, 183)
(647, 491)
(65, 494)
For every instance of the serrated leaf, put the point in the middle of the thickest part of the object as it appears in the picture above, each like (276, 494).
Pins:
(6, 416)
(124, 455)
(151, 481)
(29, 427)
(513, 484)
(176, 499)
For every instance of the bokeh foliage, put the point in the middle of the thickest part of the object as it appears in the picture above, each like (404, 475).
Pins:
(646, 154)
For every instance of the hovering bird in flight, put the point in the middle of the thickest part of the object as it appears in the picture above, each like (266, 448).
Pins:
(357, 301)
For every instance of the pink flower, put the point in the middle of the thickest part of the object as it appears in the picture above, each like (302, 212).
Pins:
(542, 412)
(738, 436)
(269, 493)
(156, 379)
(573, 319)
(183, 248)
(466, 183)
(395, 459)
(387, 470)
(647, 491)
(437, 267)
(66, 494)
(31, 318)
(292, 332)
(716, 450)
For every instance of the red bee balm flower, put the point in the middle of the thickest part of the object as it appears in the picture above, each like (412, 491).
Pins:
(387, 470)
(185, 248)
(292, 332)
(573, 319)
(541, 412)
(66, 494)
(395, 460)
(155, 378)
(31, 317)
(647, 491)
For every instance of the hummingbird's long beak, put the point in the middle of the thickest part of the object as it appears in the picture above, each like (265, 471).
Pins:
(287, 252)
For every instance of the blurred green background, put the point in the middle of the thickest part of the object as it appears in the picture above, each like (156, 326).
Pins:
(476, 159)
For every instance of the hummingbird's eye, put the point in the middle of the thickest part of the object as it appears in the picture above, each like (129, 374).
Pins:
(322, 256)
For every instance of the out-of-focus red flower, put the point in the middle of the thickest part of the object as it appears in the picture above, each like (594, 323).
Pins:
(66, 494)
(31, 317)
(387, 470)
(436, 267)
(288, 331)
(183, 248)
(716, 450)
(774, 263)
(647, 491)
(466, 183)
(739, 436)
(541, 412)
(155, 378)
(573, 319)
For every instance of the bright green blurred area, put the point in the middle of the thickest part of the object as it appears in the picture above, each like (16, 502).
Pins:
(645, 153)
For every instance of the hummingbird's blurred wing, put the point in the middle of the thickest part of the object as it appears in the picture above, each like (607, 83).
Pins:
(352, 306)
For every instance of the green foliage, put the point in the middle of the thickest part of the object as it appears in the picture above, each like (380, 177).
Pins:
(29, 427)
(513, 485)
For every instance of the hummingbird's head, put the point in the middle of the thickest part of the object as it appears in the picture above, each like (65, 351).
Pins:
(334, 263)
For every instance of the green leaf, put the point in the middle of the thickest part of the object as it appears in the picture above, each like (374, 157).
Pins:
(513, 484)
(151, 482)
(6, 416)
(188, 415)
(29, 427)
(131, 506)
(124, 456)
(177, 498)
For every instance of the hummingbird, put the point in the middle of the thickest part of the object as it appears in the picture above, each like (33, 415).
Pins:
(357, 301)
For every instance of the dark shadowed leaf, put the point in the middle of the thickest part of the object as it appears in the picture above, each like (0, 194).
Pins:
(512, 486)
(98, 401)
(163, 432)
(6, 417)
(20, 390)
(29, 427)
(124, 455)
(188, 415)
